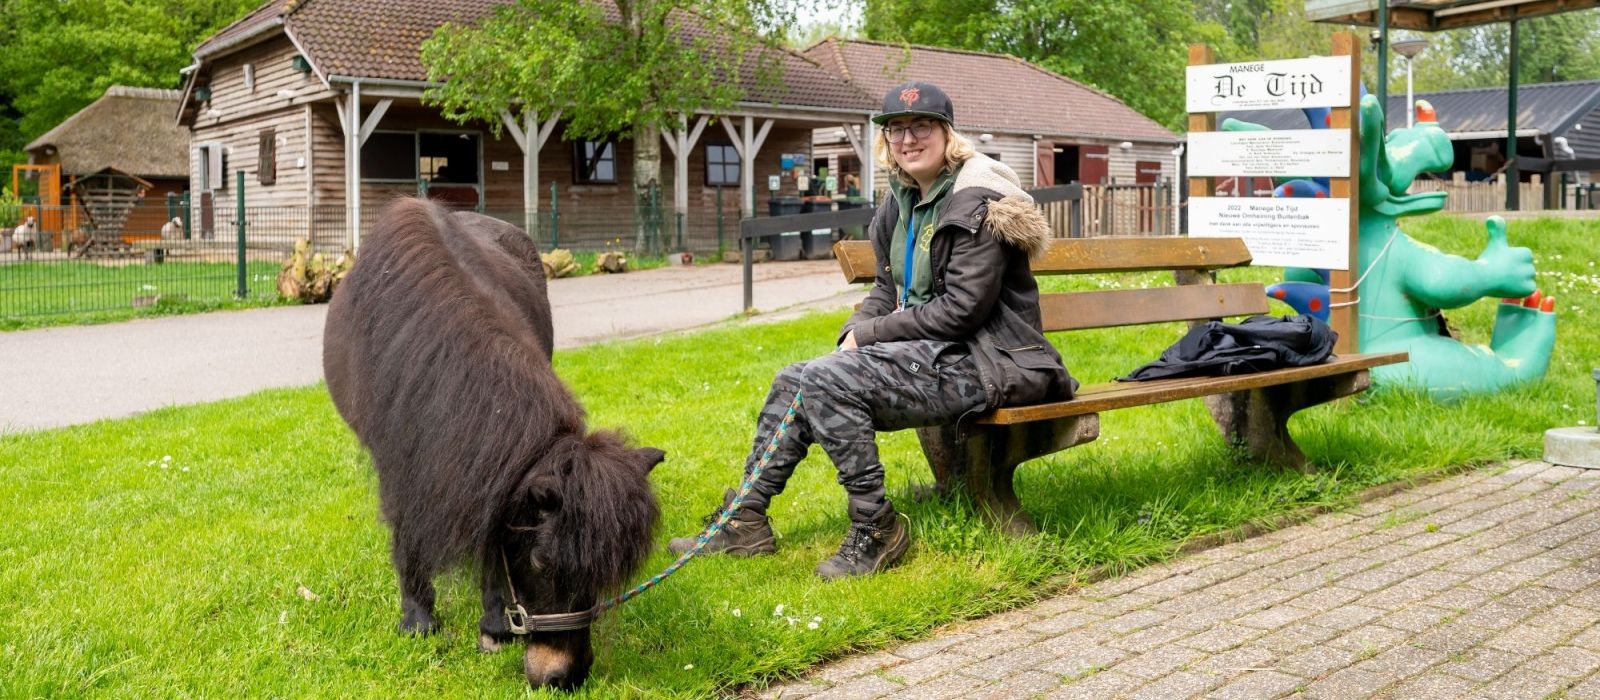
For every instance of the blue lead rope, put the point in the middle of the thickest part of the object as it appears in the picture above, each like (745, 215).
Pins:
(727, 514)
(911, 248)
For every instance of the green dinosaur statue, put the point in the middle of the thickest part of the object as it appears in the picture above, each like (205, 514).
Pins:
(1407, 283)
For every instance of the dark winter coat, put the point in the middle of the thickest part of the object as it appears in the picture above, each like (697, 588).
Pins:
(1258, 344)
(984, 292)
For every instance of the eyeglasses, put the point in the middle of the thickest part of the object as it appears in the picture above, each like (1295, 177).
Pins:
(897, 132)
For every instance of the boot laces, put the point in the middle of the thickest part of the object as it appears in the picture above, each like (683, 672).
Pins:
(857, 541)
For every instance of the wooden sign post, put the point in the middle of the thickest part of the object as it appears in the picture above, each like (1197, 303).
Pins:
(1320, 232)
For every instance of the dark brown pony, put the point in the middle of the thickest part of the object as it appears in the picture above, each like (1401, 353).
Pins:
(437, 353)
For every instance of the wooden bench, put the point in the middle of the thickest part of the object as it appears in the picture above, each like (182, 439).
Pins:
(1251, 410)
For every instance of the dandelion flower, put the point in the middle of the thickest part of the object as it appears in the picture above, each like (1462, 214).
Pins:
(737, 613)
(791, 621)
(811, 625)
(778, 611)
(166, 458)
(817, 619)
(688, 667)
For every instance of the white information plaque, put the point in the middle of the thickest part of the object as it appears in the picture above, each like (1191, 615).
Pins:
(1297, 153)
(1322, 81)
(1279, 232)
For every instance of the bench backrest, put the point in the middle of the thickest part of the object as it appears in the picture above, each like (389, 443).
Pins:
(1065, 311)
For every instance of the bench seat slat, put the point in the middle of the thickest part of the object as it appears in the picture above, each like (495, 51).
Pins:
(1085, 255)
(1139, 254)
(1114, 395)
(1070, 311)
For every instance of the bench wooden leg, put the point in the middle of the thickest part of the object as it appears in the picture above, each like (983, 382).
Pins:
(1257, 420)
(983, 466)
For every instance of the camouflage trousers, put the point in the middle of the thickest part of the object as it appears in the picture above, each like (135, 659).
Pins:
(847, 397)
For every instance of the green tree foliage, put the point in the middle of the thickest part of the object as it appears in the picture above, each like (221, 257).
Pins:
(1550, 49)
(60, 55)
(632, 71)
(1134, 51)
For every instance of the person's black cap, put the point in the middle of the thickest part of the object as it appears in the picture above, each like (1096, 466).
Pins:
(916, 98)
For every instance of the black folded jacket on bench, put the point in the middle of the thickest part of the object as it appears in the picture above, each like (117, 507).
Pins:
(1257, 344)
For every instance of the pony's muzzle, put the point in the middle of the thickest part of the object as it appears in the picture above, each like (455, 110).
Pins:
(552, 666)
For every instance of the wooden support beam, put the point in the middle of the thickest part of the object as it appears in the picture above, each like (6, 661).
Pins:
(1345, 315)
(372, 120)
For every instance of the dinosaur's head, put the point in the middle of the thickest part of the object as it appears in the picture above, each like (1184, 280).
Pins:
(1390, 164)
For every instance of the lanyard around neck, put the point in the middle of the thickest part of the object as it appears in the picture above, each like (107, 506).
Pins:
(911, 247)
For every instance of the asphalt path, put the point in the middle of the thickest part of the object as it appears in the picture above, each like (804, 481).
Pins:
(55, 377)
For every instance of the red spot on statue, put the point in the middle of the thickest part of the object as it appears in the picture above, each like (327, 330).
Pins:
(1327, 119)
(1533, 300)
(1549, 305)
(1279, 294)
(1288, 190)
(1425, 112)
(1320, 195)
(1315, 305)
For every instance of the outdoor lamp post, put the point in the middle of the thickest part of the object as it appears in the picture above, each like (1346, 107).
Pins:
(1409, 48)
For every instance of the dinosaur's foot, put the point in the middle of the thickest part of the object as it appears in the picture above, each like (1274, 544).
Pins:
(1525, 334)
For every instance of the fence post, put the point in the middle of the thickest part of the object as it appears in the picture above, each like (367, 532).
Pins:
(555, 215)
(680, 231)
(1075, 216)
(243, 290)
(720, 246)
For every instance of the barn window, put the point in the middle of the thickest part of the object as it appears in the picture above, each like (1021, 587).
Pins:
(722, 165)
(448, 157)
(267, 157)
(594, 162)
(390, 155)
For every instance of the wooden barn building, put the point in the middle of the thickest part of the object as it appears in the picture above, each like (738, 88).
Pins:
(318, 103)
(119, 158)
(1048, 128)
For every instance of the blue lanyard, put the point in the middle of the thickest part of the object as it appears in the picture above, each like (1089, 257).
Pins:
(911, 247)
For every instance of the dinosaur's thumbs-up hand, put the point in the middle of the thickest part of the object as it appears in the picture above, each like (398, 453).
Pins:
(1509, 269)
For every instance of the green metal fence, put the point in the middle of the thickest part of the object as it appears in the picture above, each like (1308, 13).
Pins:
(219, 248)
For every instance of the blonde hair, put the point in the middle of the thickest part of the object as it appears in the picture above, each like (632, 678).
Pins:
(957, 150)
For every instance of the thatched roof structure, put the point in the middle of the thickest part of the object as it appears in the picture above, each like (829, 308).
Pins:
(128, 129)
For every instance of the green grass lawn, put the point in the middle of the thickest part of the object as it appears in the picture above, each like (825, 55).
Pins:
(74, 292)
(125, 574)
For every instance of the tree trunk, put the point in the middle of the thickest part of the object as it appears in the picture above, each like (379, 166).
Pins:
(646, 184)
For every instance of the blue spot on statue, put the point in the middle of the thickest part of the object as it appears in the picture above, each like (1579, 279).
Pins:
(1308, 298)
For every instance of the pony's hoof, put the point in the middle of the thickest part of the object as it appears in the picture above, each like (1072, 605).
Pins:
(488, 644)
(418, 625)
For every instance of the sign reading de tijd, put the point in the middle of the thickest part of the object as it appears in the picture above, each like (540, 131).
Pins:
(1321, 81)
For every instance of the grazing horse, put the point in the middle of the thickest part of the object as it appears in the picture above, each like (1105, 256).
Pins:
(437, 353)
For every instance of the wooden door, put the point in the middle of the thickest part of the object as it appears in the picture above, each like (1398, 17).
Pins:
(1093, 164)
(1044, 163)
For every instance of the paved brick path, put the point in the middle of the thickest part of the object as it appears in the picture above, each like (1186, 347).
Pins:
(1484, 585)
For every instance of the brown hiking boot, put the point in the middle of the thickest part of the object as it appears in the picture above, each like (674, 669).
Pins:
(870, 547)
(747, 534)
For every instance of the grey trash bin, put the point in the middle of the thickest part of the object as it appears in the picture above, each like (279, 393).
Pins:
(785, 246)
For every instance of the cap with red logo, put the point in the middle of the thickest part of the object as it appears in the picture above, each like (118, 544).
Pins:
(916, 99)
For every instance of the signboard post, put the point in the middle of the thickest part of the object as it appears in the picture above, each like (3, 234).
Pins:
(1318, 232)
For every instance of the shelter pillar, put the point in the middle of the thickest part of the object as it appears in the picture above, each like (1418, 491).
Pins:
(356, 132)
(681, 142)
(530, 136)
(747, 142)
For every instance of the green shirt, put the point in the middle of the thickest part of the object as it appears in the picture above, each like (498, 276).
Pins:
(925, 210)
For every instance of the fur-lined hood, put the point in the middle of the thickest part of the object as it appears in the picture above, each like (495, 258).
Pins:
(1012, 217)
